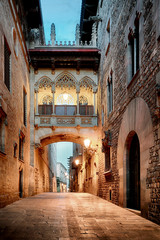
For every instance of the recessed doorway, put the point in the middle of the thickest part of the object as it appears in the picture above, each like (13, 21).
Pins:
(133, 172)
(21, 183)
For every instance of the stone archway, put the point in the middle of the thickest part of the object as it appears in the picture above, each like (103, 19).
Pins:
(45, 136)
(136, 118)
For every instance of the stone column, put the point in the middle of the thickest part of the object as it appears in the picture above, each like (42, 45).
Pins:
(32, 120)
(78, 103)
(77, 91)
(94, 100)
(36, 91)
(53, 92)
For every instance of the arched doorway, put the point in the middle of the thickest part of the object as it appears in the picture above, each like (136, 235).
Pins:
(21, 183)
(136, 119)
(133, 172)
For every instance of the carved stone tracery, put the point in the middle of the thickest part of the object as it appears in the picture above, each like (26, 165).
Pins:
(65, 82)
(87, 83)
(44, 82)
(47, 100)
(83, 100)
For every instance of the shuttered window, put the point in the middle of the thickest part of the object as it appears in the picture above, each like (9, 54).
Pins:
(7, 56)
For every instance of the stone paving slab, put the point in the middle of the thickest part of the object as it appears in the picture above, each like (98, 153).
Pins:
(72, 216)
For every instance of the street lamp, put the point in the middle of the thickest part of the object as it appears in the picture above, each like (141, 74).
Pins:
(89, 150)
(87, 142)
(77, 161)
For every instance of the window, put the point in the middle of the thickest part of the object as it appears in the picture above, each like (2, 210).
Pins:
(83, 100)
(110, 93)
(7, 63)
(107, 159)
(101, 3)
(133, 45)
(24, 107)
(21, 145)
(47, 100)
(2, 134)
(15, 149)
(136, 42)
(108, 37)
(106, 148)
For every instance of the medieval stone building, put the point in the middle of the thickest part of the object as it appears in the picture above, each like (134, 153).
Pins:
(100, 91)
(129, 78)
(16, 172)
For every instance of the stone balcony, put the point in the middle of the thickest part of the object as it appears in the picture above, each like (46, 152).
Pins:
(65, 116)
(65, 121)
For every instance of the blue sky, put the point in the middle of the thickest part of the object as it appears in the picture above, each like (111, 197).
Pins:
(65, 14)
(64, 150)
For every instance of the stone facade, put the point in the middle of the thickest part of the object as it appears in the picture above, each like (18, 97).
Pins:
(19, 178)
(11, 166)
(135, 99)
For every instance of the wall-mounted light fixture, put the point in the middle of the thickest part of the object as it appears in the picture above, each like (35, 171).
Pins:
(87, 142)
(77, 161)
(89, 150)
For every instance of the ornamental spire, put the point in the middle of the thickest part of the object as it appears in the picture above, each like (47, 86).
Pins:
(53, 34)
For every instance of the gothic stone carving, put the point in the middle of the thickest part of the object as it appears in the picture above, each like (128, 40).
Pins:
(45, 120)
(66, 121)
(86, 120)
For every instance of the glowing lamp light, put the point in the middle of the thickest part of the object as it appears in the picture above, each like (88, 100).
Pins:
(65, 96)
(87, 143)
(77, 161)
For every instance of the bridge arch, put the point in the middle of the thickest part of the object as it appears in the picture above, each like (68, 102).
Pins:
(46, 136)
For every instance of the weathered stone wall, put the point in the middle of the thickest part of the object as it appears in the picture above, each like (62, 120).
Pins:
(10, 166)
(42, 171)
(36, 175)
(142, 85)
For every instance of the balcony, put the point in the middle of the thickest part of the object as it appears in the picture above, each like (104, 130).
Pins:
(66, 115)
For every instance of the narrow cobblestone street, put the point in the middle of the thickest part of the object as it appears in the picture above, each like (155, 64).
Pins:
(63, 216)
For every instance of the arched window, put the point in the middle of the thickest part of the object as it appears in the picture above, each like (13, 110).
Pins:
(68, 100)
(65, 105)
(47, 100)
(83, 100)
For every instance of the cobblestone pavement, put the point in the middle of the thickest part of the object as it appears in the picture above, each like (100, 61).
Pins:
(64, 216)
